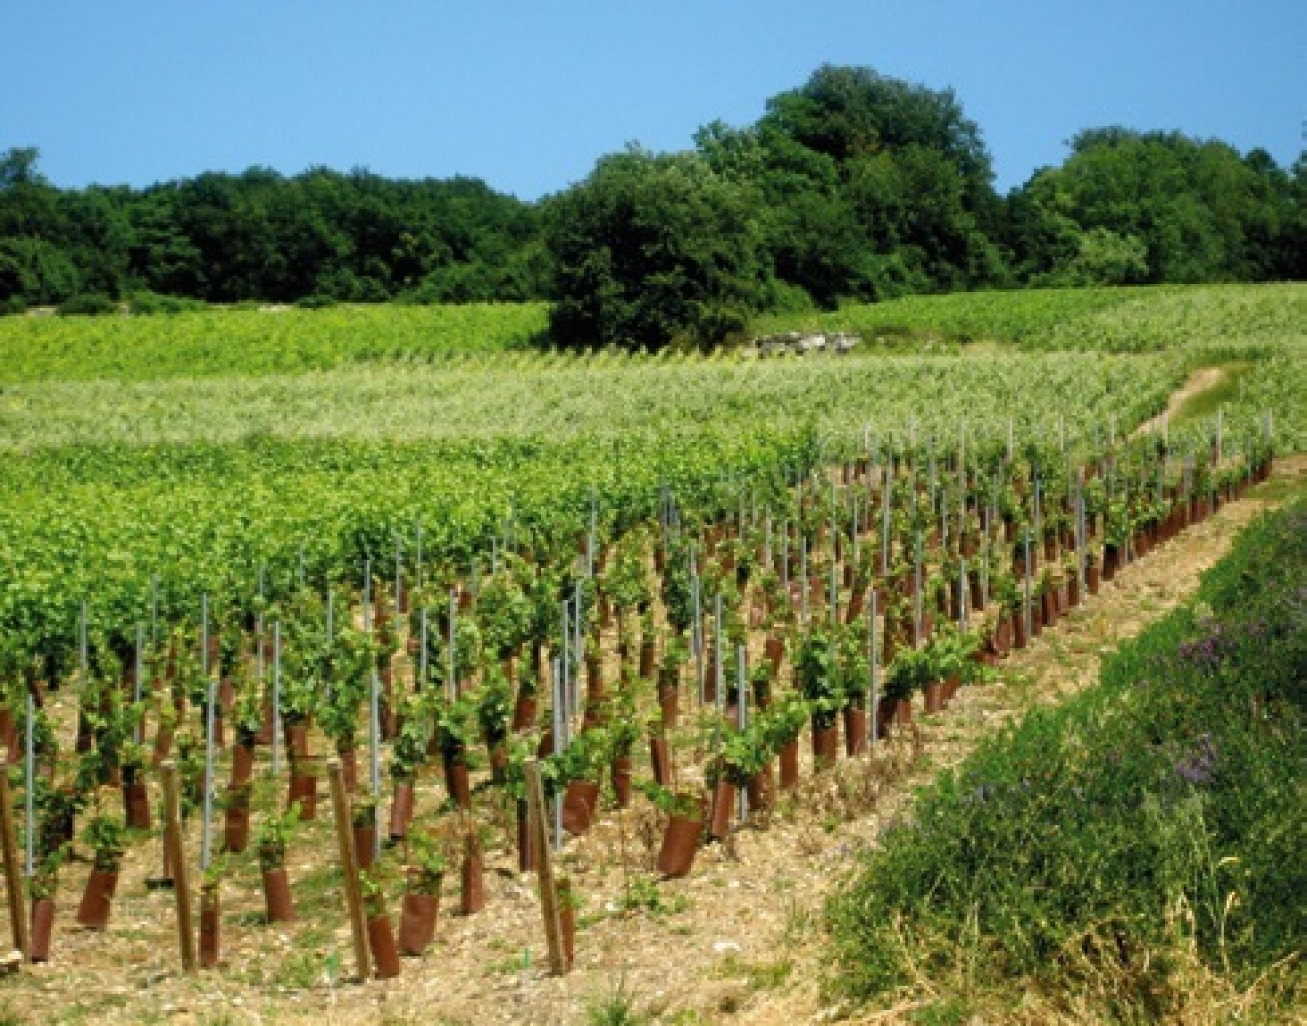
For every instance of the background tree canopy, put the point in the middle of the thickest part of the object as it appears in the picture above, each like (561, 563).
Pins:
(652, 247)
(853, 186)
(1151, 207)
(262, 236)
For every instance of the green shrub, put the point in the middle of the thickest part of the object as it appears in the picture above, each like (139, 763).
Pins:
(87, 304)
(425, 294)
(317, 301)
(154, 303)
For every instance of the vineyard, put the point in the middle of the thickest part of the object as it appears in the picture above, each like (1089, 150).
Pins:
(256, 340)
(314, 617)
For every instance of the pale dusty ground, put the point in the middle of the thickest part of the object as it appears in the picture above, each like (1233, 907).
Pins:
(738, 941)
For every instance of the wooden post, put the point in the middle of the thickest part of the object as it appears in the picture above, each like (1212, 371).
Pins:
(349, 866)
(276, 697)
(13, 875)
(172, 837)
(451, 680)
(875, 675)
(696, 629)
(1028, 612)
(886, 496)
(535, 797)
(208, 773)
(917, 598)
(742, 719)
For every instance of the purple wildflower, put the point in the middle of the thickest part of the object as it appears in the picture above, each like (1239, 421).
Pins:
(1199, 766)
(1209, 652)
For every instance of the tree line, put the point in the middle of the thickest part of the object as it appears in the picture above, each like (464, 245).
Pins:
(225, 238)
(854, 186)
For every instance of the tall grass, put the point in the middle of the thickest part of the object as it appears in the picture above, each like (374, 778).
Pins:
(1127, 844)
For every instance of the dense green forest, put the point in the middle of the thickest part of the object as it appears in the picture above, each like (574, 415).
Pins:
(854, 186)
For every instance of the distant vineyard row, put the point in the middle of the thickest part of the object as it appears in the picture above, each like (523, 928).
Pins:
(245, 342)
(101, 522)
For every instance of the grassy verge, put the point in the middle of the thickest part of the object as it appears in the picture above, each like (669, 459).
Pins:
(1133, 855)
(1226, 392)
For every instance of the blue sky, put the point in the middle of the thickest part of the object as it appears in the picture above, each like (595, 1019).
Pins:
(528, 95)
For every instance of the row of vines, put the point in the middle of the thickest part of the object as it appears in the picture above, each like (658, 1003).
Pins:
(667, 631)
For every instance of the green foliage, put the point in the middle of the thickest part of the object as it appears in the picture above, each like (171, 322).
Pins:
(743, 753)
(852, 666)
(627, 580)
(618, 1007)
(372, 887)
(275, 831)
(650, 249)
(455, 725)
(317, 301)
(430, 859)
(817, 674)
(582, 759)
(494, 704)
(1102, 257)
(641, 893)
(783, 721)
(88, 304)
(334, 237)
(410, 749)
(504, 612)
(872, 187)
(45, 877)
(145, 303)
(854, 185)
(34, 271)
(1133, 207)
(106, 835)
(680, 801)
(911, 670)
(463, 446)
(678, 598)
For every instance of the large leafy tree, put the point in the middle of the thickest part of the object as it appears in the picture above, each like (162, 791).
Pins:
(1196, 210)
(850, 112)
(33, 266)
(873, 186)
(651, 249)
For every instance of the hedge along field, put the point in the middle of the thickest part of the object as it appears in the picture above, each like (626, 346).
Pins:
(244, 341)
(1089, 849)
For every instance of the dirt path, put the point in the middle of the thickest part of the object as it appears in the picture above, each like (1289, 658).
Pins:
(737, 942)
(1199, 381)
